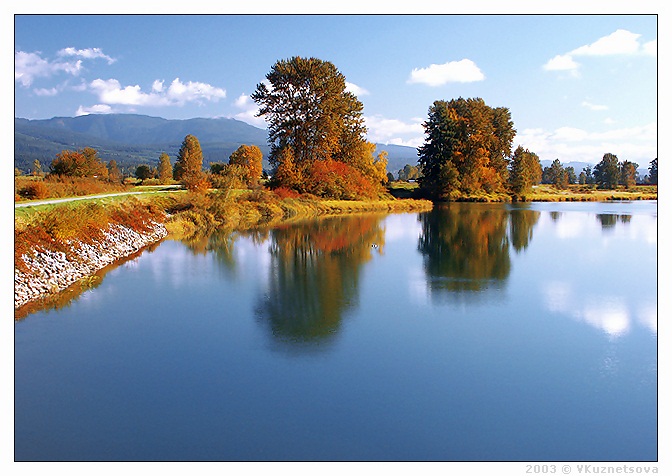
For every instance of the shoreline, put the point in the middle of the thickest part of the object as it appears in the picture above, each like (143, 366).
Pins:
(51, 268)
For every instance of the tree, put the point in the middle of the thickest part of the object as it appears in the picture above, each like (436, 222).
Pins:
(312, 118)
(79, 163)
(409, 172)
(165, 171)
(588, 173)
(113, 172)
(37, 168)
(143, 172)
(571, 175)
(628, 173)
(189, 165)
(474, 139)
(582, 178)
(557, 174)
(653, 171)
(249, 157)
(525, 171)
(607, 173)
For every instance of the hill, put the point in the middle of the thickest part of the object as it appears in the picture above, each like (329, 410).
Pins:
(129, 139)
(133, 139)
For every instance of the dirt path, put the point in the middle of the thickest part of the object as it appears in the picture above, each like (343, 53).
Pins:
(35, 203)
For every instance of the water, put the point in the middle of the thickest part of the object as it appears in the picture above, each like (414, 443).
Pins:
(472, 333)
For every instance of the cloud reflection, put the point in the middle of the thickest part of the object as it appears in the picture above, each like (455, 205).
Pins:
(608, 313)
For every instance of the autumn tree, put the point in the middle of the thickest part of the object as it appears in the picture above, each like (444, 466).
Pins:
(607, 172)
(628, 173)
(79, 163)
(165, 171)
(113, 172)
(409, 172)
(525, 171)
(467, 148)
(311, 119)
(189, 165)
(37, 168)
(249, 158)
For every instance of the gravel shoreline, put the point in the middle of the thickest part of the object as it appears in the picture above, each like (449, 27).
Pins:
(54, 271)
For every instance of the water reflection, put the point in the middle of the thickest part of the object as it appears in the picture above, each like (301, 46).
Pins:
(314, 275)
(609, 220)
(466, 246)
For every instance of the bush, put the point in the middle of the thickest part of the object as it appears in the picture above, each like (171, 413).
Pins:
(34, 190)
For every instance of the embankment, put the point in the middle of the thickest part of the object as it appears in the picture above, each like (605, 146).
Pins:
(57, 247)
(48, 271)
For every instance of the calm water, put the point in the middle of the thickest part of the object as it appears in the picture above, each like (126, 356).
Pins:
(472, 333)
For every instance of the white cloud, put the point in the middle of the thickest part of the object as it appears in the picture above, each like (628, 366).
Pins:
(45, 91)
(620, 42)
(356, 90)
(96, 109)
(178, 93)
(249, 111)
(87, 53)
(637, 144)
(29, 66)
(394, 131)
(650, 48)
(157, 86)
(594, 107)
(464, 71)
(561, 63)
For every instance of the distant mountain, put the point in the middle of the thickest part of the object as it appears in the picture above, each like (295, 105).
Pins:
(133, 139)
(129, 139)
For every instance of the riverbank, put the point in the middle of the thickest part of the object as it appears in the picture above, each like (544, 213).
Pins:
(57, 246)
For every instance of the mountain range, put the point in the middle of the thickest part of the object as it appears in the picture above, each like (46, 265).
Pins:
(133, 139)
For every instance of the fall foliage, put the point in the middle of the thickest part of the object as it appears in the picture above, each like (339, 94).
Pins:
(316, 132)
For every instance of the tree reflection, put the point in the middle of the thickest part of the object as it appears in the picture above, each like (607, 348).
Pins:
(522, 222)
(314, 275)
(466, 246)
(609, 220)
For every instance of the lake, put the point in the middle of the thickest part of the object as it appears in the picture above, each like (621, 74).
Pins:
(475, 332)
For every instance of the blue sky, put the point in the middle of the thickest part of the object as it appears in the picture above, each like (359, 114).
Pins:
(577, 86)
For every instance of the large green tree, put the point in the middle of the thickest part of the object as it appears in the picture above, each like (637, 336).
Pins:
(653, 171)
(525, 171)
(467, 148)
(189, 165)
(314, 124)
(607, 172)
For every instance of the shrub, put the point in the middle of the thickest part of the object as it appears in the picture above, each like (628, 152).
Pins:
(35, 190)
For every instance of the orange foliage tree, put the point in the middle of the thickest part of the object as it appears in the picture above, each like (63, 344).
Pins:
(79, 163)
(249, 157)
(316, 131)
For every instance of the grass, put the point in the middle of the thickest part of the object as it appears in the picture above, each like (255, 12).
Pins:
(586, 193)
(543, 193)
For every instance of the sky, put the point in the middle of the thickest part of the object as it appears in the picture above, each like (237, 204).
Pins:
(577, 86)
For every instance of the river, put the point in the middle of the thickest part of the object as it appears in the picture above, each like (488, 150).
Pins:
(475, 332)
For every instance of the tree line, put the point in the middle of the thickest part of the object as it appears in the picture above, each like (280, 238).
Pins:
(318, 146)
